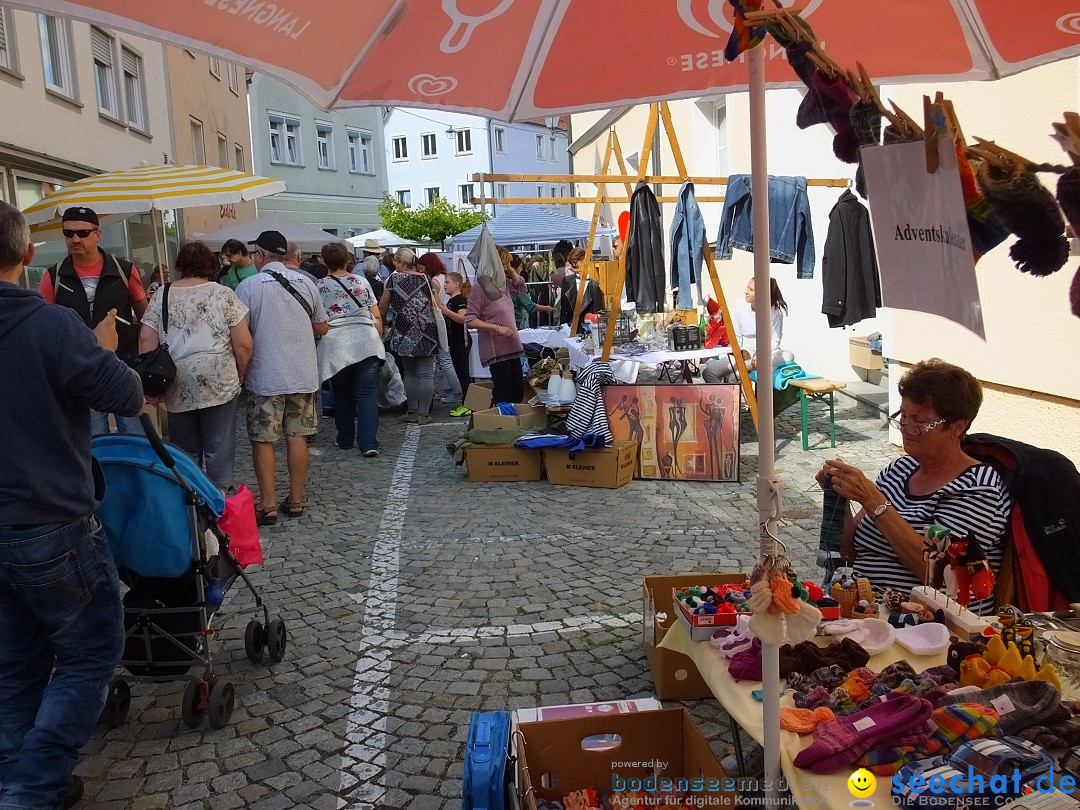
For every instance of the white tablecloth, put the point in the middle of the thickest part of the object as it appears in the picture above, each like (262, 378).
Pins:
(625, 371)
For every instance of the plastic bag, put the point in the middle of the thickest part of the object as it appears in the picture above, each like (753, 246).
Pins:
(238, 521)
(490, 274)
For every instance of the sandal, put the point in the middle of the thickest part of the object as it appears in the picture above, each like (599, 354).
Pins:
(265, 518)
(290, 510)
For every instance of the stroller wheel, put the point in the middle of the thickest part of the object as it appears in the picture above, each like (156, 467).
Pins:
(193, 708)
(254, 641)
(222, 700)
(276, 640)
(117, 703)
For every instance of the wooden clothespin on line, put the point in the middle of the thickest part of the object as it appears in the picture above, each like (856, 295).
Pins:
(999, 156)
(790, 21)
(1067, 134)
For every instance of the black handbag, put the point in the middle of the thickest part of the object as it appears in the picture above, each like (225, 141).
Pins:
(156, 368)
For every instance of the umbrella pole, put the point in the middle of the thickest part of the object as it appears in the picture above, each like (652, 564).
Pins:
(766, 483)
(160, 247)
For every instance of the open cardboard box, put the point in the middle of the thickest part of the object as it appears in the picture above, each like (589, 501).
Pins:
(557, 757)
(478, 397)
(528, 416)
(610, 468)
(503, 462)
(675, 675)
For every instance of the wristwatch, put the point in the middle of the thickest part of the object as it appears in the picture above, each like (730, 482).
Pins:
(879, 511)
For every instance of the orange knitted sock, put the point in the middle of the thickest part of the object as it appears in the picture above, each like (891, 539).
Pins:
(803, 721)
(783, 601)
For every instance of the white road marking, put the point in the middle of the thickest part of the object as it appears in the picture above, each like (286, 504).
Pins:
(575, 624)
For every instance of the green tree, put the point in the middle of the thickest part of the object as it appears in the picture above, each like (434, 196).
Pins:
(433, 223)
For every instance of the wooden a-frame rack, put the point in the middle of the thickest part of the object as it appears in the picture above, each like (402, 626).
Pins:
(658, 113)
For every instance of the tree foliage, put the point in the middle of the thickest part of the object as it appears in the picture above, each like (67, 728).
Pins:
(432, 223)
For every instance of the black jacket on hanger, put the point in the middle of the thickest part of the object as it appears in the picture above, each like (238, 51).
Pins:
(851, 288)
(646, 279)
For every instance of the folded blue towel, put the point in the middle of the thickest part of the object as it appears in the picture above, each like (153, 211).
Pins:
(575, 444)
(507, 409)
(784, 374)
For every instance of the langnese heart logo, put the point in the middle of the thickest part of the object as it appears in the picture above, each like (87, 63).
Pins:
(424, 84)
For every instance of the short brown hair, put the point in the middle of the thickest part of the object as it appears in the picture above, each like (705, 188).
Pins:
(335, 255)
(505, 256)
(194, 260)
(576, 255)
(952, 392)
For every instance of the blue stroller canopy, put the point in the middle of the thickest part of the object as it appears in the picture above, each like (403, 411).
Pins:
(145, 511)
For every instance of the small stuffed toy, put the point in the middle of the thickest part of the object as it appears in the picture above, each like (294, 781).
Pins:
(972, 570)
(582, 800)
(715, 330)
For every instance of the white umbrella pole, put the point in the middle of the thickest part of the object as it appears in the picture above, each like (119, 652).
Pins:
(766, 484)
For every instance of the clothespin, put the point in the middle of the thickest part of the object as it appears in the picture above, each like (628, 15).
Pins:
(999, 156)
(1068, 135)
(905, 122)
(930, 137)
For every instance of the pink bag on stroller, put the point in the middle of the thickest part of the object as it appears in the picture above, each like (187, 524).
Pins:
(238, 521)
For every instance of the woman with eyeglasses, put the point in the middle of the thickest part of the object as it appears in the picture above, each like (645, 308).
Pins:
(935, 482)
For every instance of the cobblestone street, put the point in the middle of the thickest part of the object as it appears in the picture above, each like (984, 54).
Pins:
(413, 598)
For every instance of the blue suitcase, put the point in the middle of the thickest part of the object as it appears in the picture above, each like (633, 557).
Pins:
(486, 777)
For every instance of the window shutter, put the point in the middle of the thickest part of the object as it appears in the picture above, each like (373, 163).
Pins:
(3, 30)
(101, 47)
(130, 62)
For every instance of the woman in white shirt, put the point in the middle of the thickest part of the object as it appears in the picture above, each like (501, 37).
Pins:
(744, 323)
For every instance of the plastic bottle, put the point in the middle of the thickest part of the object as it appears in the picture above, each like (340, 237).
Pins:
(568, 391)
(554, 389)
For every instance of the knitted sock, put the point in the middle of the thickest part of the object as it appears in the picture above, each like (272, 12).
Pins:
(866, 121)
(763, 624)
(1029, 211)
(842, 741)
(746, 666)
(1033, 703)
(836, 98)
(896, 673)
(986, 229)
(850, 654)
(783, 601)
(816, 697)
(743, 37)
(830, 676)
(803, 721)
(958, 723)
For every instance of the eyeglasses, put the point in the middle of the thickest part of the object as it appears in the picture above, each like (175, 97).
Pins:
(914, 428)
(82, 233)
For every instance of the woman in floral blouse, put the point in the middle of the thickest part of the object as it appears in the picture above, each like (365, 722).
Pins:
(351, 353)
(210, 343)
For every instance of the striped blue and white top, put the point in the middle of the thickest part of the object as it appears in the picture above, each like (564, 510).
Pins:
(976, 502)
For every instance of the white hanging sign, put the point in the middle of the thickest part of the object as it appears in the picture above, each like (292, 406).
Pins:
(921, 233)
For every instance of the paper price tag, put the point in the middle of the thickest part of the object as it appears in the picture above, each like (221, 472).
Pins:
(1002, 704)
(863, 724)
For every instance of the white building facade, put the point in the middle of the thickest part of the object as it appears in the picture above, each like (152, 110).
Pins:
(431, 154)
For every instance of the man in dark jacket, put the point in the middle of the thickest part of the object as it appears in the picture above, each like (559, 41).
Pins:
(92, 282)
(61, 620)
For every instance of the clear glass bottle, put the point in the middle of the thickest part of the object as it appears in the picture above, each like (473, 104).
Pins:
(1062, 649)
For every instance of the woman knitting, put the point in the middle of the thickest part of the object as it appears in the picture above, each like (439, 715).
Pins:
(935, 482)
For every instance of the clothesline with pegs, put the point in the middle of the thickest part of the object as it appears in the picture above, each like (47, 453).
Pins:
(786, 25)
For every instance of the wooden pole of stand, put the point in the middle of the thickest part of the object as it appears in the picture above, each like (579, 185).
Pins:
(583, 278)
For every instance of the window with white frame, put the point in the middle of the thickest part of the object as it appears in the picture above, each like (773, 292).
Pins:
(466, 190)
(8, 58)
(539, 147)
(431, 194)
(552, 142)
(501, 190)
(721, 140)
(463, 141)
(404, 196)
(499, 137)
(428, 146)
(215, 67)
(360, 151)
(241, 163)
(134, 89)
(222, 151)
(56, 55)
(234, 77)
(539, 191)
(324, 143)
(400, 146)
(103, 49)
(555, 191)
(198, 145)
(285, 140)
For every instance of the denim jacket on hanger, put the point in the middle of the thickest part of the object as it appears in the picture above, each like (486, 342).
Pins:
(791, 236)
(687, 246)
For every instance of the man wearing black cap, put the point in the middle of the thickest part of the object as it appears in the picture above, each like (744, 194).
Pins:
(286, 314)
(92, 282)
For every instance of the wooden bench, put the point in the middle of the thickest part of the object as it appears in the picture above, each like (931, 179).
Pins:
(819, 390)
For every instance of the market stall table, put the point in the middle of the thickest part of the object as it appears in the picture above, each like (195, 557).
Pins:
(807, 789)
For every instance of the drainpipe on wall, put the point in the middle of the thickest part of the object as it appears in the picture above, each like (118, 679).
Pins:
(570, 162)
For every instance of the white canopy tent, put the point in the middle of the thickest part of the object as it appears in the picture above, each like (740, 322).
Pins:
(386, 239)
(308, 237)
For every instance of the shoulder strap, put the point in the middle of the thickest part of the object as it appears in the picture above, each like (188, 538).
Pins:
(123, 276)
(284, 282)
(165, 314)
(346, 289)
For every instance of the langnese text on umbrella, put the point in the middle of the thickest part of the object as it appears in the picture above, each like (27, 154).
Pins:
(707, 60)
(937, 233)
(270, 15)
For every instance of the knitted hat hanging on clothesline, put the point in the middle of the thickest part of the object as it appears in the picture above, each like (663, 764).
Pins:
(1068, 196)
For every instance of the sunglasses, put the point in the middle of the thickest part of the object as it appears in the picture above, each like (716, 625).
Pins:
(82, 233)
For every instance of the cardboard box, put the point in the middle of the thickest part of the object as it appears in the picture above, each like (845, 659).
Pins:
(701, 626)
(478, 397)
(586, 710)
(862, 356)
(503, 462)
(611, 467)
(675, 675)
(557, 757)
(528, 416)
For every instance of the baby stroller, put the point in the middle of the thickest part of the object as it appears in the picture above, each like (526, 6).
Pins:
(160, 514)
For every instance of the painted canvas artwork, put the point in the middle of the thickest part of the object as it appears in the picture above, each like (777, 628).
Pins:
(686, 432)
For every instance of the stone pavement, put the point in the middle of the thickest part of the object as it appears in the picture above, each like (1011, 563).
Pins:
(414, 598)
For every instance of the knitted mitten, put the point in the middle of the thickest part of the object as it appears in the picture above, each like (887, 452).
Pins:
(743, 37)
(1029, 211)
(987, 232)
(803, 721)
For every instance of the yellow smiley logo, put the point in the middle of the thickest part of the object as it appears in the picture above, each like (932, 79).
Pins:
(861, 783)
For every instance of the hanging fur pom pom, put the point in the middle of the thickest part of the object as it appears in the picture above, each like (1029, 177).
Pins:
(1029, 211)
